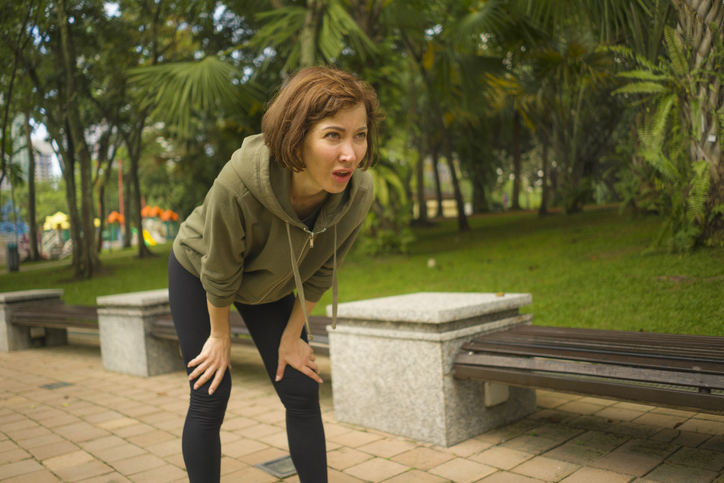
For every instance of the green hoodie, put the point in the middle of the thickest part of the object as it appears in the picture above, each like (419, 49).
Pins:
(246, 243)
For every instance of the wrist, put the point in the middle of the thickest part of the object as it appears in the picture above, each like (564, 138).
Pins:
(220, 335)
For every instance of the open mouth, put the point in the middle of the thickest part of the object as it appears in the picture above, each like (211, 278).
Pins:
(342, 176)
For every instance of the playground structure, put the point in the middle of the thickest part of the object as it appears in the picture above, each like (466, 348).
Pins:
(55, 243)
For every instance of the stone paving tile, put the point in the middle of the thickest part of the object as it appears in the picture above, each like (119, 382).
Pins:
(249, 475)
(630, 464)
(593, 475)
(13, 455)
(107, 478)
(137, 464)
(162, 474)
(546, 468)
(703, 426)
(84, 471)
(531, 444)
(663, 420)
(262, 456)
(501, 457)
(577, 454)
(619, 414)
(376, 470)
(415, 476)
(468, 448)
(461, 470)
(242, 447)
(165, 448)
(230, 465)
(579, 407)
(148, 438)
(505, 477)
(354, 438)
(344, 458)
(681, 474)
(387, 448)
(43, 476)
(683, 438)
(697, 458)
(423, 458)
(118, 453)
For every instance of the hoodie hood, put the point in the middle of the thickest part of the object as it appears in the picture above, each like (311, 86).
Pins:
(270, 183)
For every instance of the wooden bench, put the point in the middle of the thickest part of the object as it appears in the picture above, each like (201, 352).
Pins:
(163, 329)
(54, 320)
(57, 316)
(670, 370)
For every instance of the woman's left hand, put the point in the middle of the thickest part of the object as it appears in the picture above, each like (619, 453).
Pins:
(294, 352)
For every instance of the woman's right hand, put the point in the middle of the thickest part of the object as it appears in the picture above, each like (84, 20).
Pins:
(212, 362)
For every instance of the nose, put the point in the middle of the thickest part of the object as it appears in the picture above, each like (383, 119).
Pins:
(347, 152)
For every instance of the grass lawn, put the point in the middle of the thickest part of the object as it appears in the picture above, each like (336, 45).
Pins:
(585, 270)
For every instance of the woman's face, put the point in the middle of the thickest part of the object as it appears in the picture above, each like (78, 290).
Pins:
(333, 149)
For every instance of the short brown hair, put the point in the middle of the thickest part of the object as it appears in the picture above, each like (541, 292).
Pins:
(307, 97)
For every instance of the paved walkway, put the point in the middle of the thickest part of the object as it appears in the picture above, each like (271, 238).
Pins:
(64, 418)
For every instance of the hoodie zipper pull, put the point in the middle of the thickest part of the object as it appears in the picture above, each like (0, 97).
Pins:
(311, 240)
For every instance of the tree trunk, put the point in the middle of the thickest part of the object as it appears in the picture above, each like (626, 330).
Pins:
(435, 152)
(543, 210)
(694, 27)
(68, 170)
(462, 217)
(90, 257)
(422, 217)
(515, 204)
(134, 153)
(128, 191)
(308, 35)
(32, 226)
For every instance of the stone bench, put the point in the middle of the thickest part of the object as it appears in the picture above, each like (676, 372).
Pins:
(393, 358)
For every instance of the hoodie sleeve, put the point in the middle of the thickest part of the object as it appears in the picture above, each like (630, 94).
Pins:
(224, 241)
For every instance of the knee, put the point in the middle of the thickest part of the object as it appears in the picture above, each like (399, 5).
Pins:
(298, 391)
(210, 408)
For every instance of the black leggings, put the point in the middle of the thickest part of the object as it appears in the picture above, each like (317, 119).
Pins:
(300, 394)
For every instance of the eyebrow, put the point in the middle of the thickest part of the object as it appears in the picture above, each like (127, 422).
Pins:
(338, 128)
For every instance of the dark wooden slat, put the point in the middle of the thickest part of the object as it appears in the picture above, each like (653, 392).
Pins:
(56, 316)
(598, 370)
(646, 343)
(654, 395)
(650, 361)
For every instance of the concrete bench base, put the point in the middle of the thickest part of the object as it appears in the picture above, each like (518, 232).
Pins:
(392, 365)
(125, 323)
(18, 337)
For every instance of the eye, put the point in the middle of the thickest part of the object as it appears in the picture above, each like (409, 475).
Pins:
(332, 135)
(362, 135)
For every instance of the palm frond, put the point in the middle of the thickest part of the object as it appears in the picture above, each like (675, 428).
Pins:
(676, 52)
(641, 88)
(175, 91)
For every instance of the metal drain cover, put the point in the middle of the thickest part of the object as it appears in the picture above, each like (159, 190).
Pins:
(56, 385)
(279, 467)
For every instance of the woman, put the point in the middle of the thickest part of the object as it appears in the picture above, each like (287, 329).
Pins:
(281, 215)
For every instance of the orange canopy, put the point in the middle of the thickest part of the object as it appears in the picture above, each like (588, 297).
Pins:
(169, 215)
(115, 217)
(151, 211)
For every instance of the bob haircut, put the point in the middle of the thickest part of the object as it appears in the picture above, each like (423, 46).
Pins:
(306, 98)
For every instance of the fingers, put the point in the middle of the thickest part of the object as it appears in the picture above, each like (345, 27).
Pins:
(280, 370)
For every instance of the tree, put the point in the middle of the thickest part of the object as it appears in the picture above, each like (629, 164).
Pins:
(670, 133)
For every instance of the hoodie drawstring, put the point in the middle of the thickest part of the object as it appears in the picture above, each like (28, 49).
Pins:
(300, 287)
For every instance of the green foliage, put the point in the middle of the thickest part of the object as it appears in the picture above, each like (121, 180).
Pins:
(665, 138)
